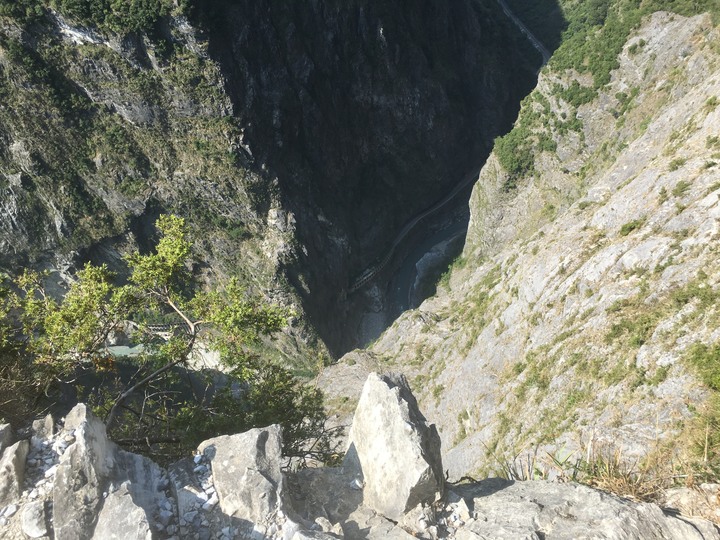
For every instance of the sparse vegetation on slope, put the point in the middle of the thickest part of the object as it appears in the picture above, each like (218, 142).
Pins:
(596, 33)
(606, 264)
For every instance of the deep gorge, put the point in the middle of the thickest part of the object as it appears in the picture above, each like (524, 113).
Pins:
(297, 139)
(366, 113)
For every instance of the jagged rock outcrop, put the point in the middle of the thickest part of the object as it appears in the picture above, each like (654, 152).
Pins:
(506, 510)
(246, 474)
(234, 488)
(400, 463)
(12, 471)
(6, 436)
(121, 518)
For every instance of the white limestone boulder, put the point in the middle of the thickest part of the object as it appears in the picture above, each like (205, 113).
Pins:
(81, 476)
(398, 452)
(33, 519)
(121, 519)
(246, 473)
(6, 436)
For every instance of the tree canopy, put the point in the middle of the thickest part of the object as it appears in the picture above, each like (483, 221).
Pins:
(161, 397)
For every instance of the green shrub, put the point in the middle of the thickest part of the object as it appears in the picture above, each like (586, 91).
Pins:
(577, 95)
(676, 163)
(681, 188)
(120, 16)
(630, 226)
(706, 361)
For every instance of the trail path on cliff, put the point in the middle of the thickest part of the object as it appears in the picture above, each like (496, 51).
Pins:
(369, 273)
(525, 30)
(373, 270)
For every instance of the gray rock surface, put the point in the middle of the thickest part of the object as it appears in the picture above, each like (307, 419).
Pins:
(143, 479)
(120, 518)
(546, 510)
(42, 429)
(398, 452)
(81, 476)
(309, 504)
(33, 519)
(700, 501)
(6, 436)
(12, 472)
(246, 472)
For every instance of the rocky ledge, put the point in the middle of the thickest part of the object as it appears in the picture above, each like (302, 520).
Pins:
(66, 480)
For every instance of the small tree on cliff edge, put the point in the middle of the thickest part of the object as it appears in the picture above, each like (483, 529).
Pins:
(157, 402)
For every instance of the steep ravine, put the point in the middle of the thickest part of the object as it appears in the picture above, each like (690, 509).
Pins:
(296, 138)
(566, 325)
(366, 113)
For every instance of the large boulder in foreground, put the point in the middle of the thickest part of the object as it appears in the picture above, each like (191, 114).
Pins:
(81, 476)
(397, 450)
(246, 471)
(507, 510)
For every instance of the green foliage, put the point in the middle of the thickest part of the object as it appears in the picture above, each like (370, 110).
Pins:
(638, 328)
(165, 271)
(120, 16)
(275, 396)
(577, 95)
(516, 150)
(22, 10)
(598, 30)
(704, 435)
(636, 47)
(63, 333)
(630, 226)
(682, 187)
(65, 338)
(706, 361)
(675, 164)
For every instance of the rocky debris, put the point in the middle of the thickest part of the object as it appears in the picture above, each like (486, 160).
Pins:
(12, 472)
(6, 436)
(234, 488)
(400, 464)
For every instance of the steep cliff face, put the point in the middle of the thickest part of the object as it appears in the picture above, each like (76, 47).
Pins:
(589, 277)
(100, 133)
(366, 113)
(297, 139)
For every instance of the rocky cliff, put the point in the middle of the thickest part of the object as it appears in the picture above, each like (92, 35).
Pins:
(296, 139)
(588, 287)
(68, 481)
